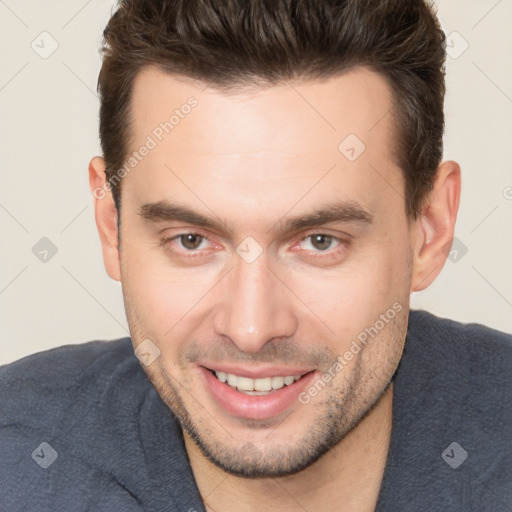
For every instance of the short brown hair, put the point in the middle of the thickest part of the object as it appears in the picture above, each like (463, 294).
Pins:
(236, 43)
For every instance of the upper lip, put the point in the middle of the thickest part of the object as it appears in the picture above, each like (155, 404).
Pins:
(259, 372)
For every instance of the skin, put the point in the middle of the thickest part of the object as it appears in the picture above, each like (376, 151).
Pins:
(252, 160)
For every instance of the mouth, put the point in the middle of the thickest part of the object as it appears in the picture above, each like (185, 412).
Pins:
(255, 387)
(256, 395)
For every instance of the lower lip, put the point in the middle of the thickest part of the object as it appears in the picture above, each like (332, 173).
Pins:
(255, 407)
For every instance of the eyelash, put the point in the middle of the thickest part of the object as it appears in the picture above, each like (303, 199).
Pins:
(342, 245)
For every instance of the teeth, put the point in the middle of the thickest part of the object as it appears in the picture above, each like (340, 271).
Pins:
(256, 386)
(232, 379)
(277, 382)
(244, 384)
(263, 384)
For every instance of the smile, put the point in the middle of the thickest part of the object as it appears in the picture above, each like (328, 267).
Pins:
(250, 386)
(256, 393)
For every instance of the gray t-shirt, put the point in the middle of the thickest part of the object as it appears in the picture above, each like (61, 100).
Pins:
(83, 429)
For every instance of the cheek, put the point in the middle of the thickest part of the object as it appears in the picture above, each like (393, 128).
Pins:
(353, 296)
(155, 299)
(165, 300)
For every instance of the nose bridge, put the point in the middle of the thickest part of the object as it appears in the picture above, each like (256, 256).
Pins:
(254, 309)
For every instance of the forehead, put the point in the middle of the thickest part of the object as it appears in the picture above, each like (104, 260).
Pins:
(310, 115)
(269, 144)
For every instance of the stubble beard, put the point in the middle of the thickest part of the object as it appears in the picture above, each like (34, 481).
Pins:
(340, 413)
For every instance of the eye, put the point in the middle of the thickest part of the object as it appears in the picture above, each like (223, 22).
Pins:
(320, 242)
(191, 244)
(191, 241)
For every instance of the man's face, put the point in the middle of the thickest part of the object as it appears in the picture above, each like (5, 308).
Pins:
(307, 247)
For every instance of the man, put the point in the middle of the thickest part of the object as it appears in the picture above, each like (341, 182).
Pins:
(270, 193)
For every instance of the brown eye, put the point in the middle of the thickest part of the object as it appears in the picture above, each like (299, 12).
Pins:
(191, 241)
(321, 242)
(322, 248)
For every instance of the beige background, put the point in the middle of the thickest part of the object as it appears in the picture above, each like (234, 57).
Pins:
(48, 133)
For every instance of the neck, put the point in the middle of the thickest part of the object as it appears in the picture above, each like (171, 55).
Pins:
(347, 478)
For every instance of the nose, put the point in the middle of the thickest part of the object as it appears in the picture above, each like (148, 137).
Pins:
(255, 307)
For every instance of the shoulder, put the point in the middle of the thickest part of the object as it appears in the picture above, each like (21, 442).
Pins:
(69, 428)
(482, 349)
(467, 369)
(453, 398)
(63, 367)
(40, 388)
(425, 321)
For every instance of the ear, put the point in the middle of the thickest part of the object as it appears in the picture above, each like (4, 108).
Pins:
(105, 213)
(434, 228)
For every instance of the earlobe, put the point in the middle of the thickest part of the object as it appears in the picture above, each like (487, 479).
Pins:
(434, 229)
(105, 213)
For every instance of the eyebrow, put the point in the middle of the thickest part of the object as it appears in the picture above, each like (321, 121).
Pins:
(341, 211)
